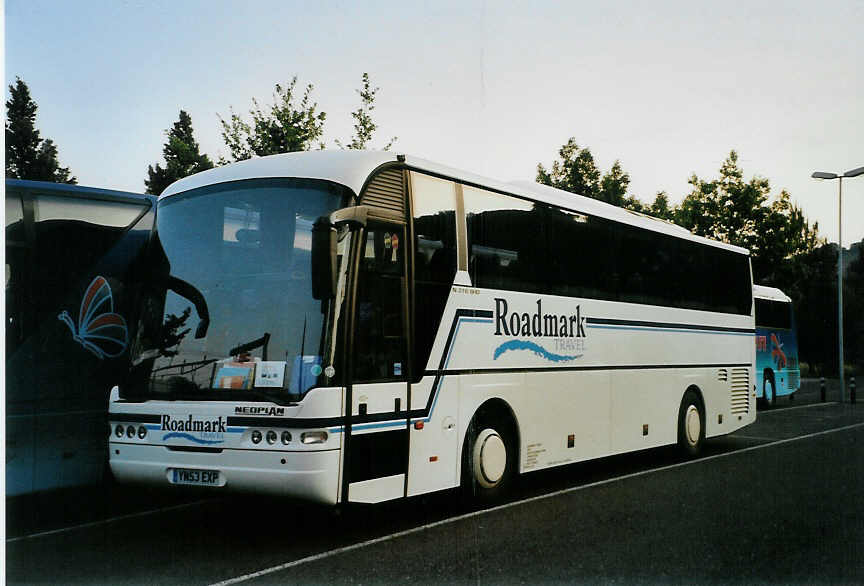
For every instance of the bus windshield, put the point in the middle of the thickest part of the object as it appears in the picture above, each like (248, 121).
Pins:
(235, 256)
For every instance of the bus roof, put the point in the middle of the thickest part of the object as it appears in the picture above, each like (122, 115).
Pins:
(771, 293)
(73, 190)
(352, 169)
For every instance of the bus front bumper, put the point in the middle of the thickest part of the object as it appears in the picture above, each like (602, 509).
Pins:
(306, 475)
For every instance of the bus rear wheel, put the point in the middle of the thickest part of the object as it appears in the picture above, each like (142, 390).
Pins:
(488, 461)
(691, 424)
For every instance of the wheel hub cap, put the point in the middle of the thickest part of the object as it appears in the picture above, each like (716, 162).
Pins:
(693, 425)
(490, 458)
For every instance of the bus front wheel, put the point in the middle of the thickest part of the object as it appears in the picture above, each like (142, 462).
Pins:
(488, 461)
(691, 424)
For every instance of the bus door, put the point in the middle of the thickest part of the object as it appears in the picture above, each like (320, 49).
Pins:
(377, 401)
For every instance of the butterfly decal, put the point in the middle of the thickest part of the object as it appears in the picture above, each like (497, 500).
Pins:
(777, 352)
(99, 329)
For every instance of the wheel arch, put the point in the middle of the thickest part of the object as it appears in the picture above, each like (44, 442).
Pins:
(495, 409)
(698, 392)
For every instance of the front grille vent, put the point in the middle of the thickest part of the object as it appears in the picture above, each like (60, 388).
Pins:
(740, 391)
(723, 375)
(386, 191)
(195, 449)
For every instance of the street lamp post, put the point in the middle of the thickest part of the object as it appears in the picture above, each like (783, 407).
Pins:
(824, 175)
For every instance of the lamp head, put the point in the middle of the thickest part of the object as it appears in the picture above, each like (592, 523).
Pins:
(823, 175)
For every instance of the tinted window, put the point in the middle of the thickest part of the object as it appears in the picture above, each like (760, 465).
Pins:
(506, 242)
(773, 314)
(434, 211)
(528, 247)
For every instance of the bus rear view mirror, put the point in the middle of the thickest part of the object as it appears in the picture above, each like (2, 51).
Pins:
(323, 259)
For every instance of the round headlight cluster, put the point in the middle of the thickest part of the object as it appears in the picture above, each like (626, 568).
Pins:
(271, 436)
(130, 431)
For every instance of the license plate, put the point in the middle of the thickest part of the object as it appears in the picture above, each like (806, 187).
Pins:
(196, 477)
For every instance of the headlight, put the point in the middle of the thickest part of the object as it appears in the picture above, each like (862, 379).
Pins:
(118, 431)
(256, 437)
(130, 431)
(142, 432)
(286, 437)
(313, 437)
(271, 437)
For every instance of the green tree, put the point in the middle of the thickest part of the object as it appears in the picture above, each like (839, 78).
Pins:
(287, 126)
(28, 156)
(731, 210)
(613, 185)
(660, 207)
(182, 157)
(364, 126)
(810, 279)
(576, 172)
(853, 307)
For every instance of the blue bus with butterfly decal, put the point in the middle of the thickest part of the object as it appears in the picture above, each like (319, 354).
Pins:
(777, 370)
(71, 264)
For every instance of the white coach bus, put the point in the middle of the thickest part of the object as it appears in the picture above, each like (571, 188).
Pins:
(358, 327)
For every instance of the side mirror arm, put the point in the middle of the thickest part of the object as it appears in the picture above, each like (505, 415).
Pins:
(188, 291)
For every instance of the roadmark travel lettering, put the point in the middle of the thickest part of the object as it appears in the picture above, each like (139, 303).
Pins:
(207, 426)
(538, 324)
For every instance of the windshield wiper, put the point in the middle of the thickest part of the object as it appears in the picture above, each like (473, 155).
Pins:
(198, 364)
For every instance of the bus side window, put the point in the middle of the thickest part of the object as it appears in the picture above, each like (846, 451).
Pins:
(507, 246)
(434, 211)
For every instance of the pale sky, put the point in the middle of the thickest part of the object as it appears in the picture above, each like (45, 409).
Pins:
(492, 87)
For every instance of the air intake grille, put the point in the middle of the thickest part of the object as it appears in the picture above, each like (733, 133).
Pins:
(386, 192)
(723, 375)
(740, 391)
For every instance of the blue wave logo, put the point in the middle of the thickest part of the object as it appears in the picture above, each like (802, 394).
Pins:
(535, 348)
(186, 436)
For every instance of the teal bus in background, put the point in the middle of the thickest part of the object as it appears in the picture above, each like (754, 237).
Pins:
(71, 273)
(777, 370)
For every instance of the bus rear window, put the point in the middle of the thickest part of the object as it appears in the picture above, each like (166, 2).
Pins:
(773, 314)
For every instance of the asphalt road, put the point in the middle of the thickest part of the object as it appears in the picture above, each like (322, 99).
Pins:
(779, 501)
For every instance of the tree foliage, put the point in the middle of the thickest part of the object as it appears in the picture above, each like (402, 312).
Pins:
(182, 157)
(853, 306)
(364, 125)
(661, 208)
(288, 125)
(575, 171)
(28, 155)
(731, 210)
